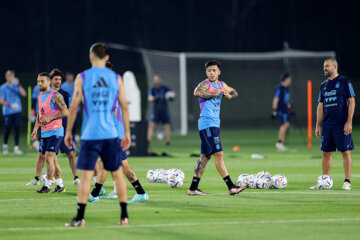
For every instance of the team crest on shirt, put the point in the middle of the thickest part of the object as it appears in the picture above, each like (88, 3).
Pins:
(337, 85)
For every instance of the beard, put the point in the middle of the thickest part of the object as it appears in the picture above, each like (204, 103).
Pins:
(327, 73)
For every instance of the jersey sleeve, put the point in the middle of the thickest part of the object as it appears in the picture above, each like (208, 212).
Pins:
(150, 92)
(349, 90)
(277, 92)
(321, 97)
(2, 94)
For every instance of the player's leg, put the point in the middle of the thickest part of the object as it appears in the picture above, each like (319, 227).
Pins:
(167, 129)
(285, 125)
(98, 189)
(347, 163)
(130, 174)
(17, 123)
(39, 165)
(122, 195)
(72, 163)
(198, 172)
(221, 168)
(150, 132)
(326, 163)
(58, 179)
(50, 162)
(7, 127)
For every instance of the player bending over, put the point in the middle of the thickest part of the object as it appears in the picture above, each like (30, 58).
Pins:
(100, 89)
(141, 195)
(52, 109)
(210, 92)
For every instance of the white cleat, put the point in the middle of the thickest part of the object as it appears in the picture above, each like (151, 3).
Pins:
(33, 182)
(314, 187)
(280, 147)
(77, 181)
(5, 149)
(17, 150)
(346, 186)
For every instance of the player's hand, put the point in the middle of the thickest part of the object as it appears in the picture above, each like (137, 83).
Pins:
(125, 142)
(34, 135)
(15, 106)
(32, 116)
(227, 95)
(318, 131)
(45, 120)
(274, 114)
(348, 128)
(68, 140)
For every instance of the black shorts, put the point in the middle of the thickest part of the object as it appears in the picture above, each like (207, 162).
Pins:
(210, 141)
(333, 137)
(160, 117)
(12, 120)
(108, 149)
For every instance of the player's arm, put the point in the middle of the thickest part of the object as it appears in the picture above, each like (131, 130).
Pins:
(22, 91)
(35, 129)
(59, 101)
(319, 118)
(201, 91)
(75, 101)
(126, 141)
(230, 92)
(348, 124)
(3, 102)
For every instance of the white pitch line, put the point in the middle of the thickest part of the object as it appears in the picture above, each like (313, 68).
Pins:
(315, 192)
(185, 224)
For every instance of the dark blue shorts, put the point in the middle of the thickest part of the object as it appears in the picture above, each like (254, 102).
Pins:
(283, 117)
(123, 155)
(210, 141)
(12, 120)
(64, 148)
(333, 137)
(107, 149)
(160, 117)
(50, 144)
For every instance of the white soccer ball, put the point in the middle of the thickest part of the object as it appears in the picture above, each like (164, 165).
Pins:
(150, 176)
(263, 173)
(176, 181)
(279, 181)
(325, 182)
(243, 180)
(264, 182)
(252, 181)
(170, 95)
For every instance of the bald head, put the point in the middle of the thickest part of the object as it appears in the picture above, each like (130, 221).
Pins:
(331, 68)
(157, 81)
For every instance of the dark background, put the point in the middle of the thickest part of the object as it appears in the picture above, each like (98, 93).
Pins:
(36, 36)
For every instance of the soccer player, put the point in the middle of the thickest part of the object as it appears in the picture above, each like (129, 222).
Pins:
(281, 108)
(160, 112)
(141, 195)
(210, 92)
(100, 88)
(10, 93)
(52, 109)
(56, 77)
(335, 113)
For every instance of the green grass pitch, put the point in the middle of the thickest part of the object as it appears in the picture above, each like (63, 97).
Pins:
(293, 213)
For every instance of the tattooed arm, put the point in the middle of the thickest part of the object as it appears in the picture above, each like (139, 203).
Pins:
(230, 92)
(202, 91)
(59, 101)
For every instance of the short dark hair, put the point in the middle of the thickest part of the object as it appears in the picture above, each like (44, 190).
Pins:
(99, 49)
(285, 76)
(56, 72)
(110, 66)
(212, 63)
(44, 74)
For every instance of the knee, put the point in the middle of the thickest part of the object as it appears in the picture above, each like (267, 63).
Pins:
(219, 155)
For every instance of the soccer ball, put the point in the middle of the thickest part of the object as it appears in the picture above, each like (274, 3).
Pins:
(175, 181)
(264, 173)
(243, 180)
(264, 182)
(170, 95)
(252, 181)
(150, 176)
(43, 177)
(325, 182)
(279, 181)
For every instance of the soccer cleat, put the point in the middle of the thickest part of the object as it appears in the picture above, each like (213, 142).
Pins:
(5, 149)
(102, 191)
(197, 192)
(59, 189)
(93, 199)
(280, 147)
(76, 223)
(111, 195)
(314, 187)
(139, 198)
(236, 190)
(124, 222)
(17, 151)
(346, 186)
(44, 189)
(76, 181)
(33, 182)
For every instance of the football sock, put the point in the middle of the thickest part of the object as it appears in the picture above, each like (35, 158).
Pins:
(114, 187)
(347, 180)
(279, 141)
(48, 183)
(123, 206)
(59, 182)
(95, 192)
(80, 211)
(94, 179)
(76, 177)
(138, 187)
(195, 183)
(228, 182)
(36, 178)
